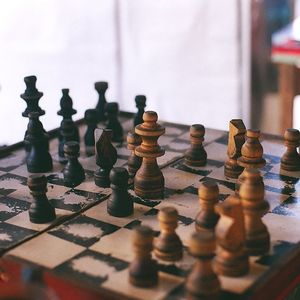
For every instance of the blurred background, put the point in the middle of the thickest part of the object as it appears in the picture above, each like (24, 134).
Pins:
(197, 61)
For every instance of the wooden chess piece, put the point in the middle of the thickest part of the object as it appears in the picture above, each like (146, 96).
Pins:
(40, 211)
(113, 123)
(207, 218)
(106, 157)
(91, 120)
(143, 270)
(252, 193)
(39, 159)
(140, 102)
(236, 140)
(196, 155)
(120, 203)
(290, 160)
(101, 87)
(134, 161)
(73, 172)
(168, 245)
(231, 259)
(149, 181)
(202, 282)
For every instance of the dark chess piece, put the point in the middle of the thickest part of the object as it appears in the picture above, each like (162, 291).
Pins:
(91, 120)
(202, 282)
(207, 218)
(106, 157)
(38, 160)
(120, 204)
(168, 245)
(232, 259)
(252, 193)
(101, 88)
(149, 181)
(41, 211)
(196, 155)
(113, 123)
(236, 140)
(134, 161)
(143, 270)
(290, 160)
(68, 133)
(140, 102)
(73, 171)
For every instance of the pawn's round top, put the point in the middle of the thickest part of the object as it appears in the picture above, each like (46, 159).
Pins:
(253, 133)
(292, 135)
(197, 130)
(150, 117)
(202, 244)
(119, 176)
(168, 214)
(143, 231)
(112, 107)
(37, 182)
(72, 148)
(208, 190)
(140, 100)
(90, 115)
(101, 85)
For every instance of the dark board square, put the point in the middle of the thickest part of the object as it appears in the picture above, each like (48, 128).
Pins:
(83, 230)
(8, 176)
(10, 207)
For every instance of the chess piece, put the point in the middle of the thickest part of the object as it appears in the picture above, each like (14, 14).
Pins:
(290, 160)
(38, 160)
(101, 88)
(68, 133)
(40, 211)
(106, 157)
(202, 282)
(140, 102)
(112, 111)
(207, 218)
(120, 204)
(149, 181)
(134, 161)
(236, 140)
(252, 155)
(196, 155)
(168, 245)
(73, 171)
(143, 270)
(252, 193)
(91, 119)
(231, 259)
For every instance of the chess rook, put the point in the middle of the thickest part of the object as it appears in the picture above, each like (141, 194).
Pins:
(202, 282)
(41, 211)
(73, 172)
(236, 140)
(91, 120)
(120, 203)
(196, 155)
(149, 181)
(140, 102)
(106, 157)
(143, 270)
(134, 161)
(252, 196)
(290, 160)
(231, 259)
(207, 218)
(101, 87)
(168, 245)
(112, 111)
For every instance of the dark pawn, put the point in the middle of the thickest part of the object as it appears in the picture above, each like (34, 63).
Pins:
(112, 111)
(106, 157)
(90, 118)
(38, 160)
(290, 161)
(196, 155)
(101, 88)
(140, 102)
(32, 97)
(40, 211)
(67, 132)
(134, 161)
(73, 171)
(120, 203)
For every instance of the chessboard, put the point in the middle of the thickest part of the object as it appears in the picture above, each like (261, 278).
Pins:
(92, 248)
